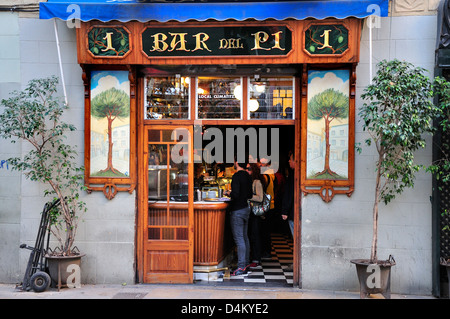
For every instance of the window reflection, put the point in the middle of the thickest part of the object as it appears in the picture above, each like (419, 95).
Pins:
(167, 97)
(219, 97)
(168, 158)
(271, 98)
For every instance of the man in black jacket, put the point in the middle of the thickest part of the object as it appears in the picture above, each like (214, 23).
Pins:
(241, 192)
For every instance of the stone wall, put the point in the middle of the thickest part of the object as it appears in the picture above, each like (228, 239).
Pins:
(335, 233)
(10, 181)
(107, 232)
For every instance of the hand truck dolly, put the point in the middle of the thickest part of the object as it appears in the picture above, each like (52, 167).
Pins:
(36, 274)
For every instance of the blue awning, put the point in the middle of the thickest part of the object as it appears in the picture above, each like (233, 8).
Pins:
(147, 10)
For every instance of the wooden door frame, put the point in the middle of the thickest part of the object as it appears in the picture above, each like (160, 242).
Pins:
(164, 244)
(142, 185)
(297, 282)
(141, 169)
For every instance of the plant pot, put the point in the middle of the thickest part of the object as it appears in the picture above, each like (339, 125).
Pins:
(65, 270)
(374, 278)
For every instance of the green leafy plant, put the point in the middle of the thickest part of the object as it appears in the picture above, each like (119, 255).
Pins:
(398, 114)
(441, 167)
(34, 116)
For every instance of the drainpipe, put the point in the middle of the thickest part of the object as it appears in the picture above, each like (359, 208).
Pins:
(370, 24)
(373, 21)
(370, 49)
(60, 62)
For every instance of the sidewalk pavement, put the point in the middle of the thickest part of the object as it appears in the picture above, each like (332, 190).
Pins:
(190, 292)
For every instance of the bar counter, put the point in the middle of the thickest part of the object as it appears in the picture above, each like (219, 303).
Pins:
(212, 233)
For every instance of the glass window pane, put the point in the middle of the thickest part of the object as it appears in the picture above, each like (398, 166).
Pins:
(168, 234)
(179, 217)
(219, 97)
(167, 136)
(168, 161)
(179, 163)
(182, 233)
(154, 135)
(157, 172)
(157, 217)
(167, 97)
(154, 233)
(157, 155)
(271, 98)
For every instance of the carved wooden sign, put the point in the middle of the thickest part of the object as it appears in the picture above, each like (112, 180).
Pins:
(108, 41)
(326, 39)
(216, 41)
(228, 42)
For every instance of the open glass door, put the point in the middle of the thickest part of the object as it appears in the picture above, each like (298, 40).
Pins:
(168, 235)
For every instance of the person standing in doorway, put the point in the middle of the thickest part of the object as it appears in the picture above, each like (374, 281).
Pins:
(241, 192)
(287, 207)
(255, 222)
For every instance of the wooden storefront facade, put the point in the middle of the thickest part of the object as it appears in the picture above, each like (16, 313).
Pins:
(171, 236)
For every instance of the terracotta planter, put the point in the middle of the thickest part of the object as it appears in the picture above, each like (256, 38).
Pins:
(65, 270)
(374, 278)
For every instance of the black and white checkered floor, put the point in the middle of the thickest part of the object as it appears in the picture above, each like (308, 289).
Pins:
(273, 271)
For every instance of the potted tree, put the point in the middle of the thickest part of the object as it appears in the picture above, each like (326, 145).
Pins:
(397, 113)
(33, 116)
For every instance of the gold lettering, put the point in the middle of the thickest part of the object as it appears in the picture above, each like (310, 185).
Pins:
(181, 42)
(259, 39)
(326, 40)
(231, 43)
(239, 44)
(108, 42)
(277, 40)
(158, 39)
(200, 39)
(223, 44)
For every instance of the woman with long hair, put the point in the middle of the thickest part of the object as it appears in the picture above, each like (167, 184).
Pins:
(255, 222)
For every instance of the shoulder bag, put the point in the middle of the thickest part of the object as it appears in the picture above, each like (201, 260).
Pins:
(260, 208)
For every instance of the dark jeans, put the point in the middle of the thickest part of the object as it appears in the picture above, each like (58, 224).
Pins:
(239, 227)
(256, 238)
(266, 230)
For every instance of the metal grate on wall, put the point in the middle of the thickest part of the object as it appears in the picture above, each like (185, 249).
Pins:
(444, 237)
(444, 204)
(444, 191)
(444, 224)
